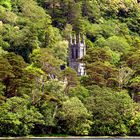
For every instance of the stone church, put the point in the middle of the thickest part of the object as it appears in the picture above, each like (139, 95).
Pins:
(77, 49)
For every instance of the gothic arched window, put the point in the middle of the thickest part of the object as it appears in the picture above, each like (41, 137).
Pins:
(76, 53)
(72, 53)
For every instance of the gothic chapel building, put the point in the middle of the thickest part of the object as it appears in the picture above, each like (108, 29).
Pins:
(77, 49)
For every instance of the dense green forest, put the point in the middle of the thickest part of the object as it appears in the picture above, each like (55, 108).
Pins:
(33, 45)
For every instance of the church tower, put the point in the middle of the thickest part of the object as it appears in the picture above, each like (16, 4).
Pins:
(77, 49)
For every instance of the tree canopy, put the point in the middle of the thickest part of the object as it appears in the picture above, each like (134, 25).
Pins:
(38, 97)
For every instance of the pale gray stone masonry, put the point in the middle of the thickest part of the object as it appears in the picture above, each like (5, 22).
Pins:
(77, 49)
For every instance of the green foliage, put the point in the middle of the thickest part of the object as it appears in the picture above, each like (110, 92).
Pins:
(115, 56)
(2, 88)
(80, 92)
(18, 117)
(118, 44)
(135, 125)
(36, 97)
(7, 16)
(6, 3)
(45, 59)
(102, 74)
(135, 83)
(5, 69)
(111, 111)
(48, 110)
(71, 77)
(13, 75)
(76, 117)
(134, 60)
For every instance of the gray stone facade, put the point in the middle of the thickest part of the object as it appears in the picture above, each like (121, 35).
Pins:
(77, 49)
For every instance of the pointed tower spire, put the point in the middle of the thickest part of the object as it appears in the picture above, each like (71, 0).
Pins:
(79, 38)
(74, 39)
(70, 39)
(77, 50)
(83, 39)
